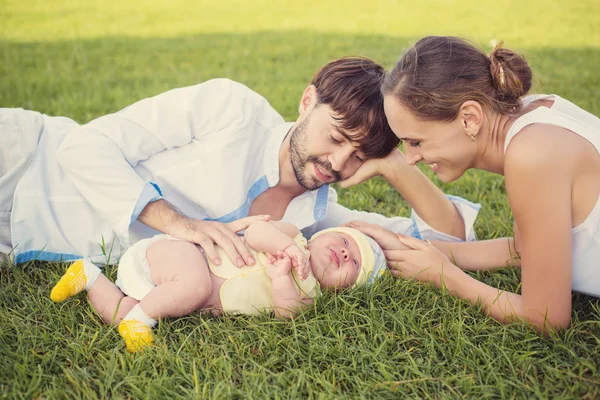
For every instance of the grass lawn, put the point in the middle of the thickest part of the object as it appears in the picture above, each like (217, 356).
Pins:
(395, 339)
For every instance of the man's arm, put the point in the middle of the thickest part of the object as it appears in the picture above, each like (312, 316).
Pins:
(162, 217)
(99, 158)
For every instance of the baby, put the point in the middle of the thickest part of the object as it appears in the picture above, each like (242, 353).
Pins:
(167, 277)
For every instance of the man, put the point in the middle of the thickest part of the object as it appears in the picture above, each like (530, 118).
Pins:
(193, 161)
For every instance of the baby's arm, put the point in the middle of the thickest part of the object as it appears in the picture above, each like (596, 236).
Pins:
(286, 299)
(270, 237)
(275, 236)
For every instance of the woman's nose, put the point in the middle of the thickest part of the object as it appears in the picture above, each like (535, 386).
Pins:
(412, 156)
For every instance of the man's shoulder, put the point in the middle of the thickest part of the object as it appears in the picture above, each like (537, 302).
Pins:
(226, 85)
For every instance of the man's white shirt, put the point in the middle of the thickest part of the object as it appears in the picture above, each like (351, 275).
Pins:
(208, 149)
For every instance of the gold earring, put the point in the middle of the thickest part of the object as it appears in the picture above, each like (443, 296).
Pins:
(472, 137)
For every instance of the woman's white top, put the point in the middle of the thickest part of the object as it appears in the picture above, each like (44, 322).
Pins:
(586, 236)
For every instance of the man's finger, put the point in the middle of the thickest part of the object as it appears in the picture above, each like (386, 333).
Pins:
(209, 248)
(240, 248)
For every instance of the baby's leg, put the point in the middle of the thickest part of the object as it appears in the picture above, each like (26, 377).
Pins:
(182, 279)
(109, 301)
(104, 295)
(183, 284)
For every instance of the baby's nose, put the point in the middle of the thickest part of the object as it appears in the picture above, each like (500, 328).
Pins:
(345, 254)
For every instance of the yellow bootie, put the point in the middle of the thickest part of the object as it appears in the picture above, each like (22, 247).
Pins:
(71, 283)
(137, 335)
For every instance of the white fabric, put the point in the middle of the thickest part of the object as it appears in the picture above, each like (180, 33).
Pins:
(137, 314)
(133, 272)
(208, 149)
(20, 131)
(586, 236)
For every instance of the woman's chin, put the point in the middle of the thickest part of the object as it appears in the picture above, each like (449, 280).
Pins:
(448, 176)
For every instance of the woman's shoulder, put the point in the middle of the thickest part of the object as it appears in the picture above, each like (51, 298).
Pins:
(539, 145)
(539, 162)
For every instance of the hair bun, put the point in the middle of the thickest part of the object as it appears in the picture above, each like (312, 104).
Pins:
(510, 72)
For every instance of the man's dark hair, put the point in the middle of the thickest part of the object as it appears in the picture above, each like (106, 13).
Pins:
(351, 86)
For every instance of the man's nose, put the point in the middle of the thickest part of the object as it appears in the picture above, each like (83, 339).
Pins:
(340, 156)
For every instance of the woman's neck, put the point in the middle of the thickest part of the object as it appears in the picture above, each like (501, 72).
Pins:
(491, 146)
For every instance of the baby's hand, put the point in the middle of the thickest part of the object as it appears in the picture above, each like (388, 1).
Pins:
(299, 261)
(278, 266)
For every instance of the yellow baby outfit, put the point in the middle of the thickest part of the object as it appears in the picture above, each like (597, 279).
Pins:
(248, 290)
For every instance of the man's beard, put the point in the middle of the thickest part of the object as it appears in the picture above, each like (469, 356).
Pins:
(300, 159)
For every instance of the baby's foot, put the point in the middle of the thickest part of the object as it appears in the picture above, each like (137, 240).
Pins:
(137, 335)
(71, 283)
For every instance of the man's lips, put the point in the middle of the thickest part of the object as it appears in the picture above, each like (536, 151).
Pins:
(322, 176)
(335, 257)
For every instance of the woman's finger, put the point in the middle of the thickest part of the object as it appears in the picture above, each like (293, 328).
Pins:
(397, 255)
(413, 243)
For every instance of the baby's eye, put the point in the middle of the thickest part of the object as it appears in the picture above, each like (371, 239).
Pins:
(345, 241)
(356, 263)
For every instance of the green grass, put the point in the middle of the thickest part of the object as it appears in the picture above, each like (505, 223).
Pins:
(394, 340)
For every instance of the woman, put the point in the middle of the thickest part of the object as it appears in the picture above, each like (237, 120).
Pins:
(455, 108)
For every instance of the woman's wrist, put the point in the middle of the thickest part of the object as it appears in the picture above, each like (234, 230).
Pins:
(395, 166)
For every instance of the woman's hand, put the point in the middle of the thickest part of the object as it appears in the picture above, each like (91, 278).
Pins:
(421, 260)
(375, 167)
(387, 239)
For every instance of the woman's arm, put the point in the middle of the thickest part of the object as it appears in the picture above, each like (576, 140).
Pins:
(481, 255)
(422, 195)
(539, 192)
(487, 254)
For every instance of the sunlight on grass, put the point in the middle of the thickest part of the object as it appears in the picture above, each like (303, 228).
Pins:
(523, 23)
(397, 339)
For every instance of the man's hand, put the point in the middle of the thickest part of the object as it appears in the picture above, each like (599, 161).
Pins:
(300, 262)
(207, 234)
(278, 266)
(161, 216)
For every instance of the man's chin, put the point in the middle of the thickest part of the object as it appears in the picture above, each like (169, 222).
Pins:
(312, 185)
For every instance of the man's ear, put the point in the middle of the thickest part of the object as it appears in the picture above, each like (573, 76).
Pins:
(309, 98)
(471, 117)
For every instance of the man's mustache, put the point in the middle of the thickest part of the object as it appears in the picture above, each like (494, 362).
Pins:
(325, 166)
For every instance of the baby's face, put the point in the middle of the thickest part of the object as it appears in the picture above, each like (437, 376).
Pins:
(335, 259)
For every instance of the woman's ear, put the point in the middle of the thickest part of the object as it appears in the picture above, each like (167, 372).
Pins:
(309, 97)
(471, 118)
